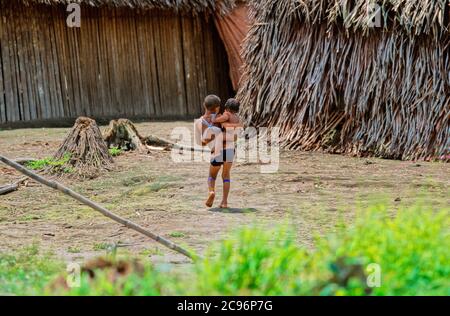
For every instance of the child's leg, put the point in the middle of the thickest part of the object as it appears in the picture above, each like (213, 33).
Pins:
(226, 176)
(213, 172)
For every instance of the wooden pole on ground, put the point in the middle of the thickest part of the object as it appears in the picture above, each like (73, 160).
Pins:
(11, 187)
(57, 186)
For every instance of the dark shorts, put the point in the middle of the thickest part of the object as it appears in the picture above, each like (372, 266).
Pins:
(226, 156)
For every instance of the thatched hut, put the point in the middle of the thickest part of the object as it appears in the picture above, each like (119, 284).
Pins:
(148, 59)
(329, 79)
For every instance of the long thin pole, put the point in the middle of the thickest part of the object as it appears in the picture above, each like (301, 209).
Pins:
(12, 187)
(58, 186)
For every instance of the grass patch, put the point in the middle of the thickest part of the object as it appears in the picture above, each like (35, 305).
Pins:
(151, 252)
(27, 272)
(177, 235)
(73, 249)
(128, 182)
(410, 250)
(101, 246)
(168, 178)
(29, 217)
(115, 151)
(152, 188)
(42, 164)
(380, 254)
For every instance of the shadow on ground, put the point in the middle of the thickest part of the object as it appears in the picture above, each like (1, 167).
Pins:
(233, 210)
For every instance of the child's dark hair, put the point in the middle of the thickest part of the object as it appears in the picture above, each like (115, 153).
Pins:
(212, 102)
(233, 105)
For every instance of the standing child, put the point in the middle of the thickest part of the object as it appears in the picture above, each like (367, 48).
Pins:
(224, 152)
(218, 132)
(209, 129)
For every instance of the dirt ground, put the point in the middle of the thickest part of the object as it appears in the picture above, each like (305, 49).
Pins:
(311, 191)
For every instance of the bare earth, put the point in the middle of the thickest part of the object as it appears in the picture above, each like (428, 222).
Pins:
(311, 191)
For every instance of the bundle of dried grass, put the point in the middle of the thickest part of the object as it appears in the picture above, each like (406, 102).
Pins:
(316, 70)
(83, 153)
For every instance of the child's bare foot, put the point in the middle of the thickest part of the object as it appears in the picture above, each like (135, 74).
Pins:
(210, 200)
(223, 205)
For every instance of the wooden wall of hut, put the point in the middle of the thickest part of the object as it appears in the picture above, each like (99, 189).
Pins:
(120, 63)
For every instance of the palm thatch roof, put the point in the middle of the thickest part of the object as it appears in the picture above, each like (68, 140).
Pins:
(196, 6)
(414, 16)
(316, 70)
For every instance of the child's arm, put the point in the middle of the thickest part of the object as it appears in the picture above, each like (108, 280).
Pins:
(222, 118)
(205, 142)
(232, 125)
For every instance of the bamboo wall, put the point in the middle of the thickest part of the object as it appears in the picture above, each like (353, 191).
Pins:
(120, 63)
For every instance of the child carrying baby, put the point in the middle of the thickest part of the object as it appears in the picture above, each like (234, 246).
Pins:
(218, 131)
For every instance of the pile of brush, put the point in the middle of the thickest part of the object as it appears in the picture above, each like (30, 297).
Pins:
(124, 135)
(83, 152)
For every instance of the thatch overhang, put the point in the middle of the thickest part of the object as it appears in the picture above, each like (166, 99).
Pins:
(414, 17)
(316, 70)
(184, 6)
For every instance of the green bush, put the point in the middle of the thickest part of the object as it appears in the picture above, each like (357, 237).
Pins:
(256, 262)
(411, 250)
(27, 272)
